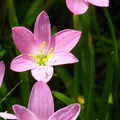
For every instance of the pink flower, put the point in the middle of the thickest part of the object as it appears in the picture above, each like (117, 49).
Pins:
(2, 71)
(81, 6)
(40, 51)
(41, 106)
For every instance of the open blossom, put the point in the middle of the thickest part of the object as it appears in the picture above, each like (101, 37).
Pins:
(81, 6)
(2, 71)
(41, 106)
(40, 51)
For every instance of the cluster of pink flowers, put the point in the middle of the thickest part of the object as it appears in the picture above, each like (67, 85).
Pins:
(40, 52)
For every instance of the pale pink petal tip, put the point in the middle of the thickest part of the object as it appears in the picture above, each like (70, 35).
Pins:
(70, 112)
(24, 39)
(76, 6)
(23, 113)
(79, 7)
(100, 3)
(6, 115)
(65, 40)
(2, 71)
(61, 58)
(42, 73)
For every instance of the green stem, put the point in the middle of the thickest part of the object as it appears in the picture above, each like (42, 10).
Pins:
(111, 27)
(76, 66)
(112, 34)
(94, 20)
(106, 91)
(25, 88)
(76, 81)
(12, 13)
(89, 112)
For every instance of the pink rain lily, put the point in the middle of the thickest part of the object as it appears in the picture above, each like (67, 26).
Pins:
(40, 51)
(2, 71)
(81, 6)
(41, 106)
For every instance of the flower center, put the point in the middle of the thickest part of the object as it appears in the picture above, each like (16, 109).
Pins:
(42, 59)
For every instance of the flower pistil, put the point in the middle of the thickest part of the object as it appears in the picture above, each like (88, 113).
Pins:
(42, 59)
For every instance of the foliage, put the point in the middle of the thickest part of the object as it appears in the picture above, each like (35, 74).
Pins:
(93, 81)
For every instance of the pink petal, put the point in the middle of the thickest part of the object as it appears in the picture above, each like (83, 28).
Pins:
(41, 101)
(2, 71)
(77, 6)
(42, 30)
(42, 73)
(101, 3)
(6, 115)
(23, 63)
(65, 40)
(24, 40)
(70, 112)
(60, 58)
(23, 113)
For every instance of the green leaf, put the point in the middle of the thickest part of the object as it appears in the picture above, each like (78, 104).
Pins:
(106, 91)
(10, 92)
(12, 13)
(63, 98)
(35, 8)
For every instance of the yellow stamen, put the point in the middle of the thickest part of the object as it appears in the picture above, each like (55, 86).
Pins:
(45, 59)
(32, 56)
(42, 59)
(42, 46)
(37, 60)
(50, 52)
(49, 56)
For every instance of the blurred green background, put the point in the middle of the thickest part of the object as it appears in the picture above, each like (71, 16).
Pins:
(93, 82)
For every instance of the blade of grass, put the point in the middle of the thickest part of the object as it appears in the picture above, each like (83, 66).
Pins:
(68, 101)
(115, 56)
(86, 57)
(9, 92)
(76, 82)
(90, 107)
(76, 65)
(35, 8)
(63, 98)
(106, 91)
(25, 87)
(112, 35)
(12, 14)
(95, 23)
(79, 24)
